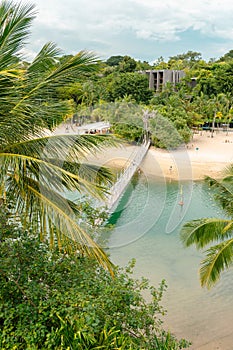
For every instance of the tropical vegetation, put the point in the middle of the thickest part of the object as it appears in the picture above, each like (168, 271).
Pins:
(203, 99)
(37, 168)
(57, 289)
(53, 300)
(214, 233)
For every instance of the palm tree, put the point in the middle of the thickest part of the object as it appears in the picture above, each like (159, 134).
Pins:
(36, 168)
(203, 232)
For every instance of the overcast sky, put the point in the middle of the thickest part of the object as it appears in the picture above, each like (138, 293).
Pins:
(142, 29)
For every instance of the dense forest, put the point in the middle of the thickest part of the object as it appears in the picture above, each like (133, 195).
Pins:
(58, 287)
(119, 93)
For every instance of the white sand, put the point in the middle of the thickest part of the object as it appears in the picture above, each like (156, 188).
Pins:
(203, 156)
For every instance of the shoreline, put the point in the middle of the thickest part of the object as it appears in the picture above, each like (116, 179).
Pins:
(203, 156)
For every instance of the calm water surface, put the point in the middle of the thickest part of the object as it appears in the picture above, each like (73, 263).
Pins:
(147, 224)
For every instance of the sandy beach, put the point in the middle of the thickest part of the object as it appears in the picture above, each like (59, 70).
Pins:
(204, 155)
(187, 316)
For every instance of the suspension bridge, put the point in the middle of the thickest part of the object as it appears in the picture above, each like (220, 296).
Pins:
(117, 190)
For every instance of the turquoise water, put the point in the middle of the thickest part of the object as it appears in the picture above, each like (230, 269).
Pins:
(147, 224)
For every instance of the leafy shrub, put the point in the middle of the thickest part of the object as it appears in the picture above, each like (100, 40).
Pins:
(54, 300)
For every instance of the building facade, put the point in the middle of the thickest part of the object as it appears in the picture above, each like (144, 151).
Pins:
(159, 78)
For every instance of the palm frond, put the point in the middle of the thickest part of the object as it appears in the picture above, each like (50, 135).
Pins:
(44, 60)
(48, 174)
(63, 147)
(90, 172)
(60, 161)
(228, 171)
(73, 67)
(67, 225)
(35, 169)
(32, 101)
(34, 182)
(47, 211)
(204, 231)
(223, 193)
(201, 232)
(29, 120)
(46, 81)
(218, 258)
(15, 20)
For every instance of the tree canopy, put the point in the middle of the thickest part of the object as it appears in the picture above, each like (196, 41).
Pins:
(37, 167)
(53, 300)
(214, 233)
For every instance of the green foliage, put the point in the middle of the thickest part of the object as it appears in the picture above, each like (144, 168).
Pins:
(73, 91)
(120, 111)
(184, 61)
(170, 127)
(160, 64)
(186, 106)
(227, 57)
(164, 133)
(122, 63)
(143, 65)
(54, 300)
(114, 60)
(216, 79)
(134, 85)
(91, 215)
(36, 169)
(207, 231)
(7, 226)
(128, 64)
(125, 117)
(129, 132)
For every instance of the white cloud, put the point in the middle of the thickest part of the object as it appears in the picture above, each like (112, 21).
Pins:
(100, 21)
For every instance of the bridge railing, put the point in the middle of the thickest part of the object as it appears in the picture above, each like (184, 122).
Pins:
(119, 187)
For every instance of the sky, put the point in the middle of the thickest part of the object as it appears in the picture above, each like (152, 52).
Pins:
(142, 29)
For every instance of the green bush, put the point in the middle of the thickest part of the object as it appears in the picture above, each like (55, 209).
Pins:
(55, 300)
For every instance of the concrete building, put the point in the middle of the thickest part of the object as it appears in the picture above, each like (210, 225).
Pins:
(159, 78)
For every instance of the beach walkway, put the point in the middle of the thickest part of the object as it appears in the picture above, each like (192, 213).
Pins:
(90, 128)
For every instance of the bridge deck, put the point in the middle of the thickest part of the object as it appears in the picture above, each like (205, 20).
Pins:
(119, 187)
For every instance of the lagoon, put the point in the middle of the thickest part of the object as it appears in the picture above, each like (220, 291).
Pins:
(147, 223)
